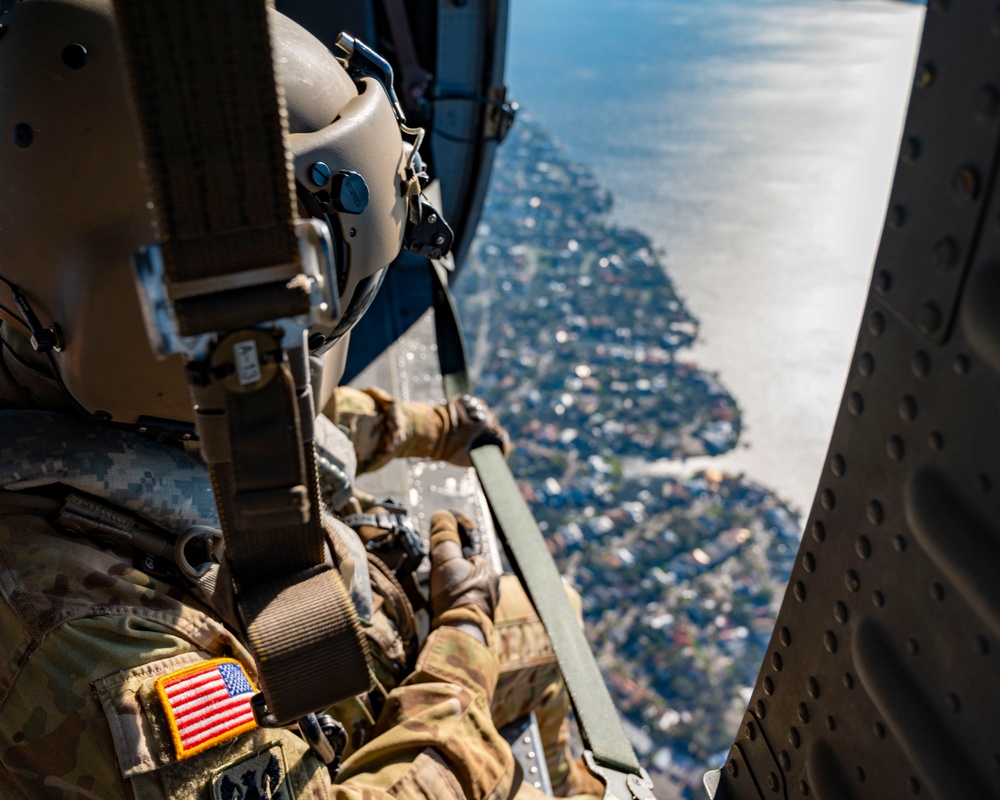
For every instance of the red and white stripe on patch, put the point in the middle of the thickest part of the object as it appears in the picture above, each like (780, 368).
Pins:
(206, 704)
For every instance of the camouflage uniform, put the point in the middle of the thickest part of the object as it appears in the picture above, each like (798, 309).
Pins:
(383, 428)
(88, 630)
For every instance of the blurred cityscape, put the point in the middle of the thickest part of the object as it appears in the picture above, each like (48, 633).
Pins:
(576, 339)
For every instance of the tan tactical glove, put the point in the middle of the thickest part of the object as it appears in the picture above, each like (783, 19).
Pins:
(457, 581)
(448, 431)
(383, 428)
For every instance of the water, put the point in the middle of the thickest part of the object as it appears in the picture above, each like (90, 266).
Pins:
(755, 142)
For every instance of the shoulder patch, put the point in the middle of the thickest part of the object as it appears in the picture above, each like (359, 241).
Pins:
(206, 704)
(254, 777)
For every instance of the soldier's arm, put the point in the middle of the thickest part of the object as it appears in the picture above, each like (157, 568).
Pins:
(383, 428)
(436, 736)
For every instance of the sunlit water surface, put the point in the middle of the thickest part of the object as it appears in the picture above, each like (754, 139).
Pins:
(755, 142)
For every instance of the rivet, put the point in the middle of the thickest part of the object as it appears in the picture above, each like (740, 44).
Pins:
(913, 647)
(878, 599)
(838, 465)
(827, 499)
(908, 408)
(818, 531)
(879, 729)
(895, 448)
(920, 364)
(848, 680)
(883, 281)
(799, 590)
(929, 319)
(776, 665)
(772, 781)
(876, 323)
(768, 686)
(866, 364)
(954, 703)
(830, 642)
(316, 340)
(812, 687)
(785, 636)
(965, 182)
(852, 581)
(935, 440)
(961, 365)
(439, 239)
(23, 135)
(896, 217)
(750, 731)
(855, 403)
(760, 709)
(910, 150)
(793, 737)
(987, 102)
(352, 232)
(899, 542)
(785, 760)
(803, 713)
(75, 56)
(103, 416)
(319, 173)
(946, 252)
(937, 591)
(925, 75)
(809, 562)
(840, 612)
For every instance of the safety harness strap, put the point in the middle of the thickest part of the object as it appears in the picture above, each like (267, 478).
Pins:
(213, 129)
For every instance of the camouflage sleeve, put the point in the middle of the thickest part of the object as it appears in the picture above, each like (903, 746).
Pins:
(374, 421)
(436, 736)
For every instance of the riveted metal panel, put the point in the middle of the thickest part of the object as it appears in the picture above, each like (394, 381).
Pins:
(882, 678)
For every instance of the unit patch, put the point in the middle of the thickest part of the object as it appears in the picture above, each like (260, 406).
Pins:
(258, 776)
(206, 704)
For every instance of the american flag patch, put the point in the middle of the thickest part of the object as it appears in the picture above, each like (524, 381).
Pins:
(206, 704)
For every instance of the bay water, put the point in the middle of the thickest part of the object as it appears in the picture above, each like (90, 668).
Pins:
(754, 142)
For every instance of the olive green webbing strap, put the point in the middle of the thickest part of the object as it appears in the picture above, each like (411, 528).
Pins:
(213, 131)
(525, 547)
(595, 712)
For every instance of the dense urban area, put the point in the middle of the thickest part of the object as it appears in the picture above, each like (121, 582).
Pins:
(576, 339)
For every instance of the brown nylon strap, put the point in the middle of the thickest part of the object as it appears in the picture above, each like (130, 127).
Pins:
(213, 133)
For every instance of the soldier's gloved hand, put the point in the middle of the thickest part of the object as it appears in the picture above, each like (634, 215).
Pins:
(457, 581)
(467, 420)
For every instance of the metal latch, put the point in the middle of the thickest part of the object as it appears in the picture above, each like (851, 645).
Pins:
(619, 785)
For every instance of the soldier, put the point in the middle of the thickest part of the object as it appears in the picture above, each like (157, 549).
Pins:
(121, 675)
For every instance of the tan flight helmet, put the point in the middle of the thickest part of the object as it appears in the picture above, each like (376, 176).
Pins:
(74, 204)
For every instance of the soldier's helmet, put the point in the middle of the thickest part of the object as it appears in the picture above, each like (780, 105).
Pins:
(74, 205)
